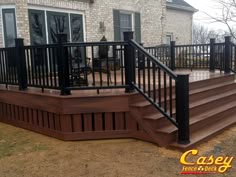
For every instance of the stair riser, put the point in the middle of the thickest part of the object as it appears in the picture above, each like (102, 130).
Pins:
(136, 98)
(212, 81)
(158, 123)
(211, 120)
(167, 138)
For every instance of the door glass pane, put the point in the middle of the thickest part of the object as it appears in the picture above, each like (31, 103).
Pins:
(37, 27)
(57, 23)
(76, 28)
(78, 53)
(9, 24)
(125, 24)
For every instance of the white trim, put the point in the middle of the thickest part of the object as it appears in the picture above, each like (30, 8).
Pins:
(60, 10)
(69, 27)
(3, 33)
(55, 9)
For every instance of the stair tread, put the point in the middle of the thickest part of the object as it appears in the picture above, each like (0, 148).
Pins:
(200, 117)
(207, 131)
(147, 103)
(212, 98)
(155, 116)
(211, 87)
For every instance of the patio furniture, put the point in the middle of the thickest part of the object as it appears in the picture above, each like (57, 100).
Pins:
(80, 72)
(106, 65)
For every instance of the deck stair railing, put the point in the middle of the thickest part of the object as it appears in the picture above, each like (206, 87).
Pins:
(159, 85)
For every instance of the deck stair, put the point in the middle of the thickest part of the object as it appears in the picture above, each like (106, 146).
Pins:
(212, 109)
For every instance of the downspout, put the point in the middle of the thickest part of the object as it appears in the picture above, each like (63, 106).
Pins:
(163, 19)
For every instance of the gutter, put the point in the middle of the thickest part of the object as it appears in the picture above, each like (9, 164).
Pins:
(182, 8)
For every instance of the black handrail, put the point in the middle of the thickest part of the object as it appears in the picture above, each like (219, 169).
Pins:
(155, 60)
(155, 100)
(84, 44)
(161, 87)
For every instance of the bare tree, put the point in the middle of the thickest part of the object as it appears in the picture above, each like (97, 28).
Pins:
(202, 35)
(227, 15)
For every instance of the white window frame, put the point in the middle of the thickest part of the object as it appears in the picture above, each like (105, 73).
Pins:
(60, 10)
(3, 33)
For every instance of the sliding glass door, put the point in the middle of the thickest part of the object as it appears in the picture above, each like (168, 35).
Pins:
(46, 25)
(57, 23)
(37, 27)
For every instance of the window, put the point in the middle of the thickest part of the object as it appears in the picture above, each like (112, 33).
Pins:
(125, 24)
(168, 39)
(126, 21)
(9, 25)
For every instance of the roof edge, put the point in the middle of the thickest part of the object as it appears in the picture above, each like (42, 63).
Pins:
(183, 8)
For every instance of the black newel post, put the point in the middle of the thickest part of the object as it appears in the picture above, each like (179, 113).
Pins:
(227, 54)
(172, 55)
(182, 108)
(63, 65)
(21, 64)
(129, 57)
(212, 55)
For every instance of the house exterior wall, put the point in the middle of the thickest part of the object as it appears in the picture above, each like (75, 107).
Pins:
(179, 25)
(94, 13)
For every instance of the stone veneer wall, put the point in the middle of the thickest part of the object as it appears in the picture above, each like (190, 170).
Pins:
(99, 11)
(179, 23)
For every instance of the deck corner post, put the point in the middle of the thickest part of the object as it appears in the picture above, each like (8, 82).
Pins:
(21, 64)
(227, 54)
(172, 55)
(63, 65)
(129, 57)
(212, 54)
(182, 108)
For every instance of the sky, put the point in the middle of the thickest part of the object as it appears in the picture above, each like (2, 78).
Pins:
(209, 7)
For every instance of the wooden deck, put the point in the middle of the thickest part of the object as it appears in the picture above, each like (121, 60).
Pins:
(194, 76)
(86, 114)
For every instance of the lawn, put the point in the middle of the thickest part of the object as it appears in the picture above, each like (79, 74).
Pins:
(27, 154)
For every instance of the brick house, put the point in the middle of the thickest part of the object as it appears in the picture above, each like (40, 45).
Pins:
(179, 18)
(38, 21)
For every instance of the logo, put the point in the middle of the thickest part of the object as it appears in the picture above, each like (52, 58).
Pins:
(195, 164)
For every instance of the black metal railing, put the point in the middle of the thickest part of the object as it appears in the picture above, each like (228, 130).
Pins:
(162, 53)
(233, 58)
(193, 56)
(42, 66)
(8, 66)
(211, 56)
(95, 65)
(165, 90)
(219, 56)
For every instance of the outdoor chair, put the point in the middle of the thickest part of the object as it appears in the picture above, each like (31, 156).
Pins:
(105, 63)
(80, 69)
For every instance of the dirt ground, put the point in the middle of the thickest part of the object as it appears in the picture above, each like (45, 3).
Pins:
(27, 154)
